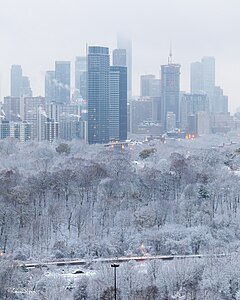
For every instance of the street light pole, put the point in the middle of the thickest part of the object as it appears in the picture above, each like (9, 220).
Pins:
(115, 266)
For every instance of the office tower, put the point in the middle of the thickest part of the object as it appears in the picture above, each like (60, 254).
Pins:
(20, 85)
(81, 77)
(151, 87)
(196, 81)
(203, 78)
(119, 57)
(98, 94)
(146, 85)
(191, 104)
(16, 80)
(62, 81)
(140, 111)
(126, 43)
(192, 125)
(155, 88)
(203, 122)
(50, 87)
(26, 90)
(170, 83)
(118, 103)
(208, 73)
(220, 101)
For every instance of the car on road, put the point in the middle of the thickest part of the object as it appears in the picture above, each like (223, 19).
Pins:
(78, 272)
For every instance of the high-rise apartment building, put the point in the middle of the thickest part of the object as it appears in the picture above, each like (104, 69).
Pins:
(62, 81)
(81, 77)
(98, 94)
(19, 109)
(118, 103)
(4, 129)
(51, 130)
(50, 87)
(170, 91)
(70, 118)
(28, 111)
(125, 43)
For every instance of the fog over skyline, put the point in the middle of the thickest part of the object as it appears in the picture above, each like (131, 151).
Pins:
(36, 33)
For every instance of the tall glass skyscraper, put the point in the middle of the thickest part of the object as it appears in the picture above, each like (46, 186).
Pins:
(62, 81)
(16, 80)
(26, 88)
(208, 75)
(196, 78)
(118, 103)
(98, 94)
(125, 43)
(81, 77)
(170, 79)
(119, 57)
(50, 87)
(203, 78)
(20, 85)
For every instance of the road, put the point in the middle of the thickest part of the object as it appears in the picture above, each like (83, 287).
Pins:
(118, 260)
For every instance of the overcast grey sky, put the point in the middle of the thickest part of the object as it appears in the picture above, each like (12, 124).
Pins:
(35, 33)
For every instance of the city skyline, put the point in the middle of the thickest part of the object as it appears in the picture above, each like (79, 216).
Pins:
(36, 47)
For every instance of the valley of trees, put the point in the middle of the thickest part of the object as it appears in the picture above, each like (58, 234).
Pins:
(61, 201)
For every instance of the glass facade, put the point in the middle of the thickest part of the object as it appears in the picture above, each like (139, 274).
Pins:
(98, 94)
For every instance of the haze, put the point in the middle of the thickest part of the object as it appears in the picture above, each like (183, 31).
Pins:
(36, 33)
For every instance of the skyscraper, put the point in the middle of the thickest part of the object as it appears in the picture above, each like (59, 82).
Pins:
(170, 79)
(26, 90)
(196, 81)
(62, 81)
(146, 85)
(118, 103)
(220, 103)
(81, 77)
(50, 87)
(11, 108)
(119, 57)
(203, 78)
(208, 75)
(98, 94)
(16, 80)
(126, 43)
(191, 104)
(28, 111)
(20, 85)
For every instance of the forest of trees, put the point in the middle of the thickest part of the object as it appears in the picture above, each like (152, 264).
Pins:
(60, 201)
